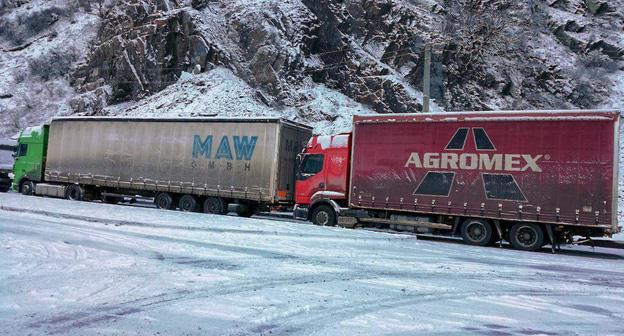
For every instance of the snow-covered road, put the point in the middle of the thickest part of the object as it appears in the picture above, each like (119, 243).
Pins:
(88, 268)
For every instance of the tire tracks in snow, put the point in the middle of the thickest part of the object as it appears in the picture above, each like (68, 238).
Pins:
(105, 313)
(311, 320)
(116, 222)
(117, 238)
(77, 238)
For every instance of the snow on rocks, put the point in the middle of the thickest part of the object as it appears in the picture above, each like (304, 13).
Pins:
(215, 93)
(53, 36)
(329, 111)
(219, 92)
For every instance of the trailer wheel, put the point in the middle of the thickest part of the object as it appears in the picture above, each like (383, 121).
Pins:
(27, 188)
(324, 215)
(477, 232)
(164, 201)
(526, 236)
(74, 192)
(188, 203)
(215, 205)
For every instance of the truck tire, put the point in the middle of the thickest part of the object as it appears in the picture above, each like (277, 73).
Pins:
(74, 192)
(27, 188)
(324, 215)
(215, 205)
(164, 201)
(477, 232)
(246, 211)
(188, 203)
(526, 236)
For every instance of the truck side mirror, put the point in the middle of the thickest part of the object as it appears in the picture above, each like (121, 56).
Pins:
(298, 160)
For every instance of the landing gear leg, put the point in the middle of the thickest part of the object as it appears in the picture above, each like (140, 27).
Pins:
(499, 232)
(553, 238)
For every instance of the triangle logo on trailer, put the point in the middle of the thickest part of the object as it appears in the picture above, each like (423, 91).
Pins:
(444, 166)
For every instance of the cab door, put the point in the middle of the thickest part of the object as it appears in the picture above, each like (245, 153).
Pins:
(22, 164)
(310, 177)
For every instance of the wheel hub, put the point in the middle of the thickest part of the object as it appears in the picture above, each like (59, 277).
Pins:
(526, 236)
(322, 218)
(163, 202)
(212, 206)
(476, 231)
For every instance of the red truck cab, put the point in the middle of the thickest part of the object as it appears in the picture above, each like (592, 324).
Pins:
(322, 178)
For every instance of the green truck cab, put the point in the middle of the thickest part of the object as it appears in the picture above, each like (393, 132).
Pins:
(30, 156)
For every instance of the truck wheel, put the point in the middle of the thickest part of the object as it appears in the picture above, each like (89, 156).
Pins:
(526, 236)
(477, 232)
(164, 201)
(27, 188)
(74, 192)
(188, 203)
(324, 215)
(246, 211)
(215, 205)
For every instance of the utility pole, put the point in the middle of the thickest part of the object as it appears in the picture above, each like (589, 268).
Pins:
(427, 78)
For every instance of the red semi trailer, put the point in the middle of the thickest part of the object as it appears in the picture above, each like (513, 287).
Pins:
(528, 177)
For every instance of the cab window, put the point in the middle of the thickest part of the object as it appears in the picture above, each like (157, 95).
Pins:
(311, 164)
(21, 150)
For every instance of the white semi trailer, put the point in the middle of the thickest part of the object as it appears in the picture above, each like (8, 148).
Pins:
(214, 164)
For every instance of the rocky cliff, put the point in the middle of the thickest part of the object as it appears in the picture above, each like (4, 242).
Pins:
(314, 60)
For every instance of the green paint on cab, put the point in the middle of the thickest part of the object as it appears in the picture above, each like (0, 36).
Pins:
(30, 155)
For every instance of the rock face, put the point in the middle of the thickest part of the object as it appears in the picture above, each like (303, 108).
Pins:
(40, 41)
(487, 54)
(141, 48)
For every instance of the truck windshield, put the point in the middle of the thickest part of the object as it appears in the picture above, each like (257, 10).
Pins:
(311, 164)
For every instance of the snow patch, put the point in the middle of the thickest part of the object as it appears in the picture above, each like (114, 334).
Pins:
(324, 141)
(219, 92)
(340, 141)
(329, 111)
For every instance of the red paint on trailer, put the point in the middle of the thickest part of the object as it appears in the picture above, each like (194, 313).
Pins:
(542, 166)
